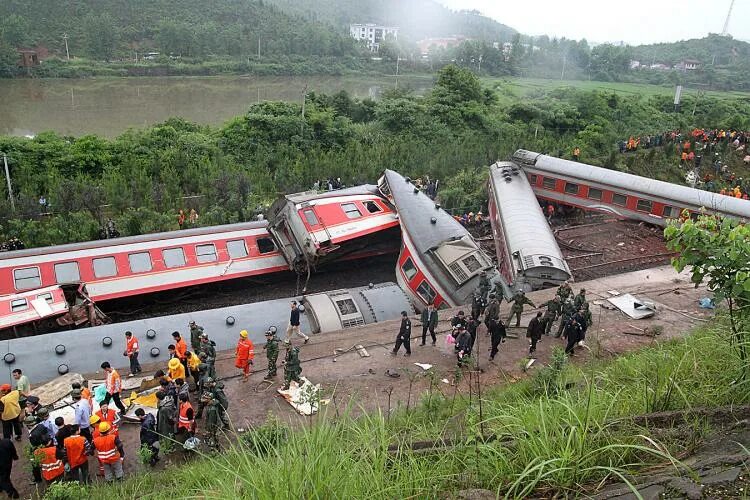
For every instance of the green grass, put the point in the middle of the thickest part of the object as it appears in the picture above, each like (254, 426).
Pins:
(525, 86)
(554, 432)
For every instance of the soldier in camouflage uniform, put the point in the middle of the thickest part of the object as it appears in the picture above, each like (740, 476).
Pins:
(195, 336)
(492, 312)
(484, 285)
(564, 292)
(213, 420)
(580, 299)
(207, 348)
(272, 353)
(519, 299)
(568, 310)
(554, 308)
(292, 368)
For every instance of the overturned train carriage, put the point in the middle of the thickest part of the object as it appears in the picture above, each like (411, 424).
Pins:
(47, 356)
(619, 193)
(313, 228)
(528, 255)
(440, 262)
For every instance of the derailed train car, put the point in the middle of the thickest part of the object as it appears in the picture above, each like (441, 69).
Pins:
(439, 262)
(619, 193)
(528, 255)
(313, 228)
(83, 350)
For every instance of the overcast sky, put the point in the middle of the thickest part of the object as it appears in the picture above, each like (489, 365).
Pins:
(633, 21)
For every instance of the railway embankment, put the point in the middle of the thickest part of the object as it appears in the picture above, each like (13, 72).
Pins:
(556, 419)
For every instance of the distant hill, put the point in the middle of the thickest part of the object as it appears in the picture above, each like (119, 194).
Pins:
(713, 49)
(105, 29)
(417, 19)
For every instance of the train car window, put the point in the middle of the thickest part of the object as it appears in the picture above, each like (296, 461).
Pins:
(236, 249)
(18, 305)
(67, 272)
(472, 263)
(549, 183)
(310, 217)
(372, 207)
(351, 210)
(532, 179)
(571, 188)
(346, 307)
(670, 212)
(173, 257)
(595, 194)
(643, 206)
(619, 199)
(409, 269)
(265, 245)
(105, 267)
(206, 253)
(47, 297)
(140, 262)
(425, 291)
(27, 277)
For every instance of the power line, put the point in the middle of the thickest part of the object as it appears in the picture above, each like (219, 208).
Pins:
(725, 31)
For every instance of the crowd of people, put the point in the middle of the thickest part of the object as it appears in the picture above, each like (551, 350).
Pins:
(570, 309)
(706, 172)
(188, 388)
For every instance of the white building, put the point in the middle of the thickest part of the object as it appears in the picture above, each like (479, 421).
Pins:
(372, 34)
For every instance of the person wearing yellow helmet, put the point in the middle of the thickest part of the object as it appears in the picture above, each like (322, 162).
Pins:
(244, 355)
(175, 370)
(109, 451)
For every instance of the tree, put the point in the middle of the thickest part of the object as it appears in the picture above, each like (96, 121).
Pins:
(717, 251)
(8, 60)
(15, 31)
(102, 37)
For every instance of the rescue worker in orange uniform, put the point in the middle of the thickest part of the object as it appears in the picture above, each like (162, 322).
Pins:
(109, 451)
(186, 422)
(77, 449)
(50, 460)
(113, 385)
(175, 370)
(107, 414)
(180, 348)
(244, 355)
(131, 351)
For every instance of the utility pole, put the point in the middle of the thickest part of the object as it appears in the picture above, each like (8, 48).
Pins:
(259, 47)
(67, 52)
(7, 180)
(398, 58)
(302, 124)
(565, 62)
(479, 69)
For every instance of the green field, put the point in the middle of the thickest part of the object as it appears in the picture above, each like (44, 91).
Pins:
(527, 85)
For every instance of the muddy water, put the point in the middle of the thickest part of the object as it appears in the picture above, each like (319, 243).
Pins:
(109, 106)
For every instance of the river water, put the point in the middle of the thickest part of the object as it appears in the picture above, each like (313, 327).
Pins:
(109, 106)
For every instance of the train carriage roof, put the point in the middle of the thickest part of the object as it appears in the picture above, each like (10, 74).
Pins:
(681, 195)
(525, 227)
(307, 196)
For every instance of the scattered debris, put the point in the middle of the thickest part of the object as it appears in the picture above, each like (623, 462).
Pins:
(304, 398)
(362, 351)
(424, 366)
(706, 303)
(392, 373)
(633, 307)
(56, 389)
(613, 292)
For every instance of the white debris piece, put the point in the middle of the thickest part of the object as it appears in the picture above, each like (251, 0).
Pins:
(633, 307)
(304, 398)
(424, 366)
